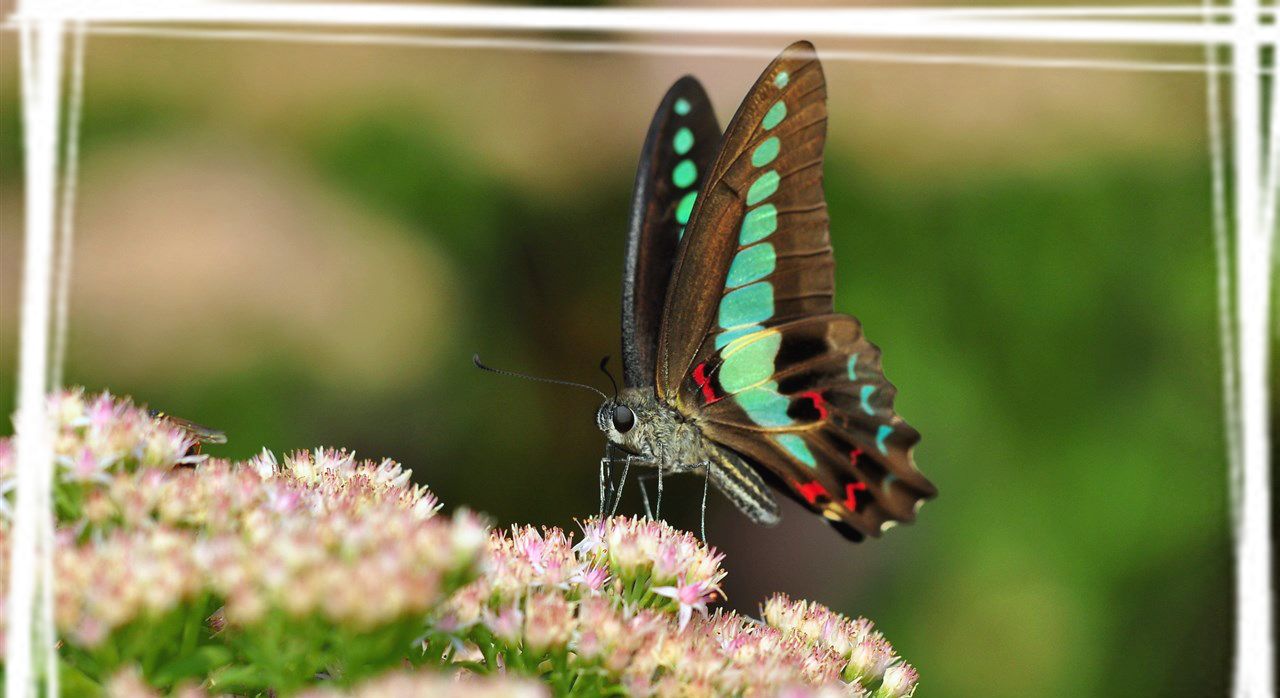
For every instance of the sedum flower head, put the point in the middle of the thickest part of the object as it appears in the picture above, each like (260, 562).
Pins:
(866, 655)
(348, 569)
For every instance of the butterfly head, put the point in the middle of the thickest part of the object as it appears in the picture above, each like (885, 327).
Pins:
(619, 422)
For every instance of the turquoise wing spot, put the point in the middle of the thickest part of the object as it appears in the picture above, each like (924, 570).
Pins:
(765, 405)
(684, 174)
(867, 390)
(766, 151)
(783, 78)
(727, 337)
(775, 115)
(749, 305)
(749, 363)
(758, 224)
(683, 141)
(798, 449)
(763, 188)
(881, 434)
(685, 208)
(853, 367)
(751, 264)
(682, 106)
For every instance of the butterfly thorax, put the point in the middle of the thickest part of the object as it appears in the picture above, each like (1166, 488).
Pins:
(660, 435)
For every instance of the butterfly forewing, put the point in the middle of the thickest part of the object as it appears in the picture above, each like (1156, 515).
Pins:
(677, 154)
(766, 179)
(750, 347)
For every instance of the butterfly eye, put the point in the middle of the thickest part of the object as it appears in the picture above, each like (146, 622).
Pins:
(623, 419)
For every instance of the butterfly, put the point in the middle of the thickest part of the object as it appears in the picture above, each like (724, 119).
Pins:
(736, 365)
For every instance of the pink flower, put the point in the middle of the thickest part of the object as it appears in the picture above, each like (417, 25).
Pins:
(691, 597)
(593, 532)
(899, 681)
(593, 578)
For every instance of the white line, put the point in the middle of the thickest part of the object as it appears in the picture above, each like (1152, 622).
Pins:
(1222, 271)
(1271, 192)
(41, 54)
(809, 22)
(570, 46)
(1254, 670)
(70, 177)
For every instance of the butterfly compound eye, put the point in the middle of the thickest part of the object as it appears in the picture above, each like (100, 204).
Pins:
(623, 419)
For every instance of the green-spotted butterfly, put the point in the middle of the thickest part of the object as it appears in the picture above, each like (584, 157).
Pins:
(736, 364)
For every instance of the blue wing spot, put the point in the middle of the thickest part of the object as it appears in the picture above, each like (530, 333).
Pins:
(682, 106)
(751, 264)
(749, 305)
(763, 188)
(685, 174)
(765, 405)
(882, 434)
(758, 224)
(798, 449)
(685, 207)
(749, 363)
(728, 336)
(853, 367)
(683, 140)
(867, 390)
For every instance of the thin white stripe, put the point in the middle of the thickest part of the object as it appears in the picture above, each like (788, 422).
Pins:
(810, 22)
(70, 178)
(619, 47)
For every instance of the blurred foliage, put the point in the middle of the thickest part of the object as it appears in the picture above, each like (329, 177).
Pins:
(1053, 336)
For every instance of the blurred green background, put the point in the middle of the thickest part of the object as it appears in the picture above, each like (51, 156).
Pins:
(304, 245)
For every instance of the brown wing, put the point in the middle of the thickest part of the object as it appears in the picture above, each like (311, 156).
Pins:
(822, 422)
(765, 187)
(751, 347)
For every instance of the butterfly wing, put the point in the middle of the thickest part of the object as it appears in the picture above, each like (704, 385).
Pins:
(677, 153)
(750, 346)
(822, 421)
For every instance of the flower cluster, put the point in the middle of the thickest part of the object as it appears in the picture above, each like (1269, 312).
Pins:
(321, 573)
(95, 437)
(129, 683)
(627, 606)
(864, 653)
(311, 558)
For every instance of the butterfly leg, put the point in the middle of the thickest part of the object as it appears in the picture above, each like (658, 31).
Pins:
(644, 495)
(622, 482)
(706, 483)
(604, 463)
(658, 509)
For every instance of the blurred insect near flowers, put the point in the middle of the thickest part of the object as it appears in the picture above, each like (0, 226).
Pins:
(736, 364)
(199, 434)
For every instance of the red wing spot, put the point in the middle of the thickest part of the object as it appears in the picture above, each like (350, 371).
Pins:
(812, 490)
(704, 382)
(851, 491)
(819, 403)
(853, 455)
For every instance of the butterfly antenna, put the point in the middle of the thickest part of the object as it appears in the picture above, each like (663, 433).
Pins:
(475, 358)
(604, 368)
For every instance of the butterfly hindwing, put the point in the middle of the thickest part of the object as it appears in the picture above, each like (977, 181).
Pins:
(750, 346)
(822, 421)
(678, 149)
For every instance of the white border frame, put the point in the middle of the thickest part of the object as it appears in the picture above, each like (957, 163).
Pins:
(1248, 29)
